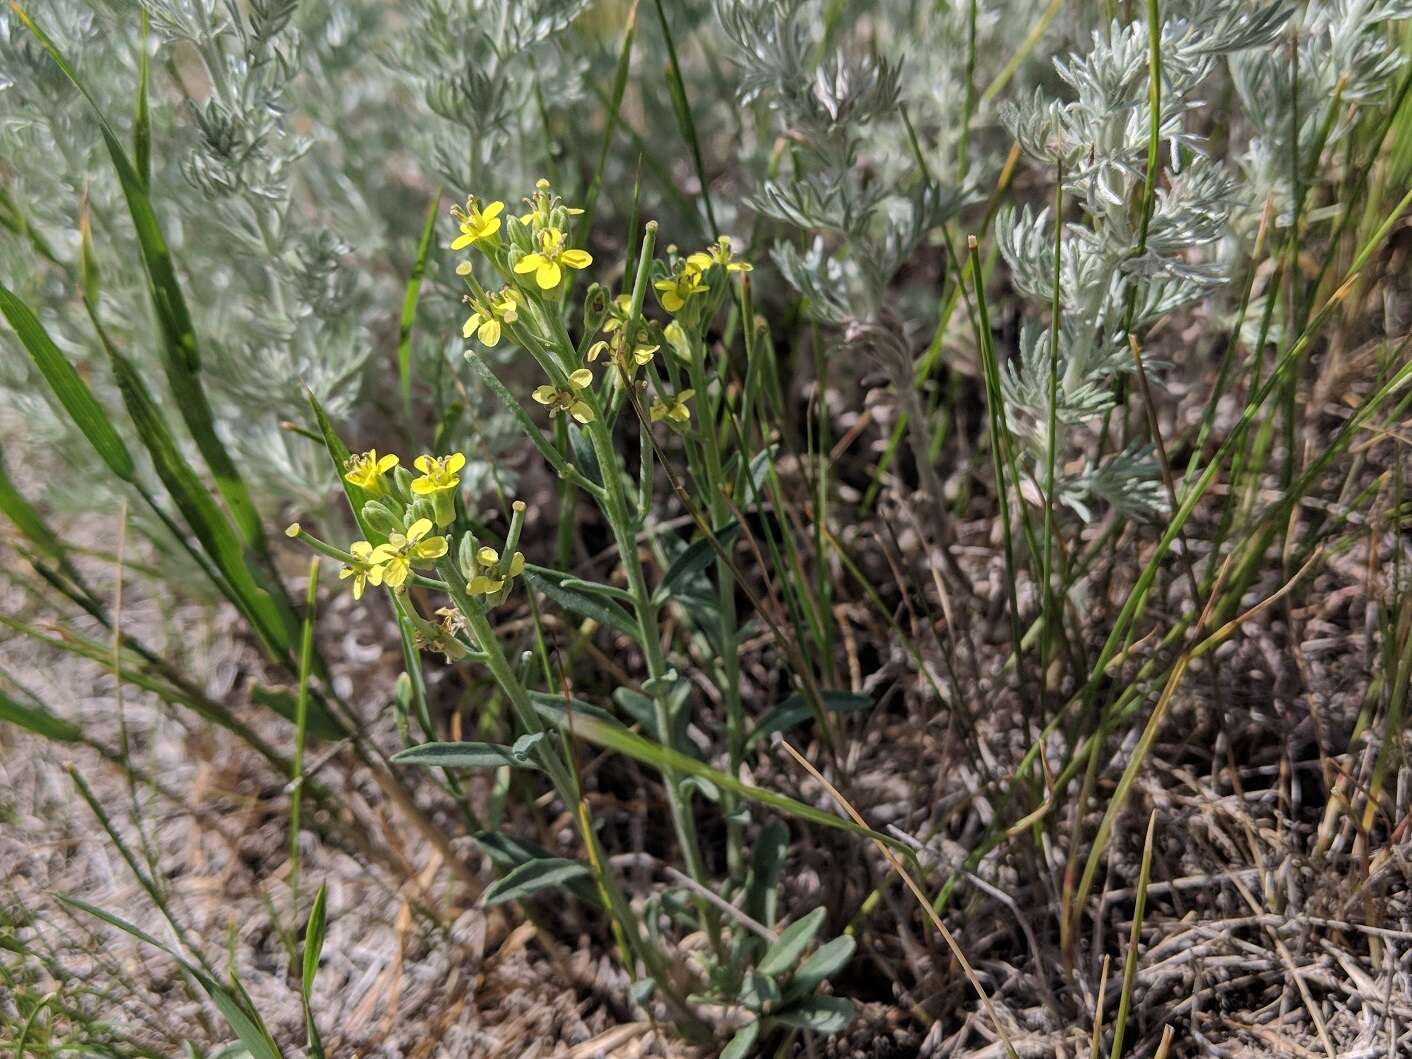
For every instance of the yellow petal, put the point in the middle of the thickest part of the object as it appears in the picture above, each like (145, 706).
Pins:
(581, 412)
(418, 530)
(469, 327)
(462, 241)
(423, 463)
(547, 275)
(487, 556)
(431, 548)
(489, 333)
(581, 378)
(423, 486)
(492, 210)
(517, 564)
(576, 258)
(545, 394)
(529, 263)
(456, 461)
(387, 463)
(394, 574)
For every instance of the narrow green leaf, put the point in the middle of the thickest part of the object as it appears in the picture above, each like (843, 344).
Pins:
(409, 303)
(314, 940)
(695, 558)
(506, 852)
(247, 1025)
(681, 108)
(73, 393)
(796, 710)
(617, 738)
(338, 454)
(119, 922)
(39, 720)
(555, 708)
(26, 519)
(531, 877)
(598, 606)
(766, 863)
(822, 1014)
(180, 352)
(275, 624)
(463, 755)
(791, 943)
(615, 106)
(142, 122)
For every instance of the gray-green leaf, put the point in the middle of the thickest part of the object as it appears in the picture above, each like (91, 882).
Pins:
(532, 877)
(791, 943)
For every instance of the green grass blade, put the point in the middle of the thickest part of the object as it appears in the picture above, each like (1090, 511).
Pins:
(39, 721)
(180, 351)
(142, 120)
(681, 107)
(274, 623)
(666, 760)
(73, 393)
(409, 304)
(614, 109)
(301, 726)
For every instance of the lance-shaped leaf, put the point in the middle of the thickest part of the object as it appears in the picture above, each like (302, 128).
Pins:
(531, 877)
(72, 392)
(180, 352)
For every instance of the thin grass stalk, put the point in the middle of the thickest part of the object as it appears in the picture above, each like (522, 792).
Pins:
(301, 730)
(1125, 998)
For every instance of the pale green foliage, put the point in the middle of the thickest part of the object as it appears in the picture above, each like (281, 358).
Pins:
(1117, 278)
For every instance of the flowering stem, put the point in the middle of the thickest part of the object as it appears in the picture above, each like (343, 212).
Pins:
(552, 757)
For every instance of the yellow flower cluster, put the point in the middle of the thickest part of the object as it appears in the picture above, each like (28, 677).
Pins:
(558, 400)
(389, 564)
(687, 277)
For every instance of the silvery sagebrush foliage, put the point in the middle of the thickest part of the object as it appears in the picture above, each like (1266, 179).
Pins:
(1115, 280)
(485, 69)
(296, 144)
(857, 192)
(1346, 61)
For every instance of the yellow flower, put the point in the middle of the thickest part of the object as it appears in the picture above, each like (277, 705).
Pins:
(438, 474)
(552, 254)
(366, 471)
(487, 316)
(674, 410)
(640, 356)
(618, 310)
(542, 205)
(488, 578)
(557, 400)
(682, 284)
(365, 570)
(402, 551)
(719, 253)
(476, 223)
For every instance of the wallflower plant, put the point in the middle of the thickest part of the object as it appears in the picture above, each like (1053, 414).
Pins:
(529, 255)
